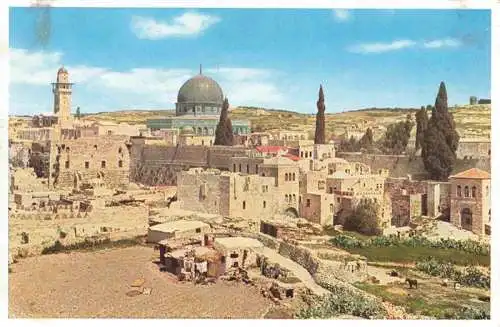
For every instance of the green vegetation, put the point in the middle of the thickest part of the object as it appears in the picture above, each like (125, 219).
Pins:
(92, 244)
(224, 131)
(440, 141)
(394, 249)
(319, 136)
(364, 219)
(343, 301)
(422, 121)
(470, 277)
(424, 303)
(397, 136)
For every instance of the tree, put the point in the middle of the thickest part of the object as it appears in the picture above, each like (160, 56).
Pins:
(351, 145)
(319, 137)
(440, 139)
(364, 219)
(366, 141)
(224, 131)
(78, 115)
(422, 121)
(397, 136)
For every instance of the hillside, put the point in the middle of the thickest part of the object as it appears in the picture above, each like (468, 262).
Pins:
(473, 121)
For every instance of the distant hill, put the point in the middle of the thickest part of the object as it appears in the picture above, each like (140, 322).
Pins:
(472, 120)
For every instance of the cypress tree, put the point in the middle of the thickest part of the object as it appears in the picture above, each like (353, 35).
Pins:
(422, 121)
(440, 139)
(319, 136)
(366, 141)
(78, 114)
(224, 129)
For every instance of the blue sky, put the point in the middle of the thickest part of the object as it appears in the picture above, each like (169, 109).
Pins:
(139, 58)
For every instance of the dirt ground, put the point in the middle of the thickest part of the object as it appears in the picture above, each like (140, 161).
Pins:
(94, 284)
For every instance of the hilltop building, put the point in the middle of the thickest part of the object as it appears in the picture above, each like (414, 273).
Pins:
(197, 112)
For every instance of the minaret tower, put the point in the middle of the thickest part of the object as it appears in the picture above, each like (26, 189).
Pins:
(62, 95)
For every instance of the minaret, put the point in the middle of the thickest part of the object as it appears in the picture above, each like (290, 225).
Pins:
(62, 95)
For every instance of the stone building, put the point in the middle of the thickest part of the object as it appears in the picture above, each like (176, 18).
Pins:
(470, 201)
(198, 107)
(76, 163)
(62, 95)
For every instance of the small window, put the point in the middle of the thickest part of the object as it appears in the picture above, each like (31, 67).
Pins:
(103, 164)
(120, 163)
(459, 190)
(248, 169)
(234, 167)
(330, 190)
(338, 200)
(66, 164)
(87, 165)
(264, 204)
(473, 191)
(294, 198)
(234, 255)
(239, 167)
(95, 147)
(119, 150)
(256, 169)
(293, 177)
(286, 177)
(244, 205)
(198, 230)
(308, 203)
(466, 192)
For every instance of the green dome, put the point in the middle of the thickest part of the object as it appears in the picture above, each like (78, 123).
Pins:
(200, 89)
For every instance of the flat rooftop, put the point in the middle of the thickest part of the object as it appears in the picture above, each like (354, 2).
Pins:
(238, 242)
(180, 225)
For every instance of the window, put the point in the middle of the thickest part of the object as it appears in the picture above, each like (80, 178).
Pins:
(330, 172)
(120, 163)
(234, 255)
(264, 188)
(264, 204)
(466, 192)
(103, 164)
(338, 200)
(244, 205)
(87, 165)
(95, 147)
(293, 177)
(198, 230)
(308, 203)
(294, 198)
(119, 150)
(331, 207)
(310, 154)
(473, 191)
(248, 169)
(234, 167)
(330, 190)
(459, 190)
(300, 199)
(256, 169)
(239, 167)
(286, 197)
(302, 154)
(66, 164)
(286, 177)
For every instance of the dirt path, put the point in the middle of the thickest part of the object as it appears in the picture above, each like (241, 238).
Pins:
(298, 271)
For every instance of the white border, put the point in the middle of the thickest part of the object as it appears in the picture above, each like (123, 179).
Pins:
(341, 4)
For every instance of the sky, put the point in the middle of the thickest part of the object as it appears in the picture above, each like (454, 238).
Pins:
(123, 59)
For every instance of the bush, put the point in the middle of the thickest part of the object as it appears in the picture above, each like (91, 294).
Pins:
(471, 277)
(364, 219)
(343, 301)
(468, 313)
(346, 242)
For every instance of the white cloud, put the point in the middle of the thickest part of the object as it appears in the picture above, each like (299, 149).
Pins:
(341, 15)
(443, 43)
(187, 24)
(141, 87)
(380, 47)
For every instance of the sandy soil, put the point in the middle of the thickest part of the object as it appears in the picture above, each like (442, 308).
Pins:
(94, 284)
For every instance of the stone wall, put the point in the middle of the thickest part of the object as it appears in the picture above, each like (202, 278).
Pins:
(402, 165)
(469, 148)
(75, 162)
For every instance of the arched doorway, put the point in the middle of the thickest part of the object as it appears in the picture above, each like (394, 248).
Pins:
(466, 219)
(292, 212)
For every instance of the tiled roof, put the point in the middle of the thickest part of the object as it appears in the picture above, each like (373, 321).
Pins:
(270, 148)
(291, 156)
(473, 173)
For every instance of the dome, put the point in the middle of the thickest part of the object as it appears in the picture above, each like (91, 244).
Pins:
(62, 70)
(200, 89)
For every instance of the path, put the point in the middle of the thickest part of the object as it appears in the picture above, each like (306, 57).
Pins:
(297, 270)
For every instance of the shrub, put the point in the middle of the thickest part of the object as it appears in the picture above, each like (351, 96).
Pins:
(344, 301)
(364, 219)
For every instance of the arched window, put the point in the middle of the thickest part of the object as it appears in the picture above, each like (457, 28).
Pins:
(286, 177)
(293, 178)
(234, 167)
(473, 191)
(244, 205)
(294, 198)
(459, 190)
(286, 197)
(466, 192)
